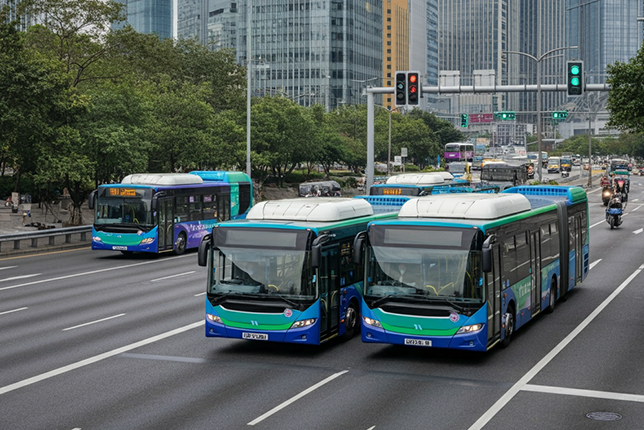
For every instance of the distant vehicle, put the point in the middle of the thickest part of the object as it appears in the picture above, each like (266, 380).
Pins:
(554, 165)
(565, 164)
(320, 189)
(459, 151)
(619, 164)
(164, 212)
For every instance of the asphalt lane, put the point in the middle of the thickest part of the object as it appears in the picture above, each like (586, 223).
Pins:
(123, 374)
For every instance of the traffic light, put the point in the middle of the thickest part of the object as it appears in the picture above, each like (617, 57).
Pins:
(401, 89)
(575, 78)
(559, 115)
(464, 118)
(412, 88)
(505, 116)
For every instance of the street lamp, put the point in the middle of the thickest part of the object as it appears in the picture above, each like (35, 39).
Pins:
(538, 61)
(389, 110)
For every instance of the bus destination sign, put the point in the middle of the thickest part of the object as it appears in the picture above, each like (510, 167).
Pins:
(122, 192)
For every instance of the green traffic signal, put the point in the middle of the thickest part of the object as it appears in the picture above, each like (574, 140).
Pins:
(574, 69)
(575, 85)
(464, 119)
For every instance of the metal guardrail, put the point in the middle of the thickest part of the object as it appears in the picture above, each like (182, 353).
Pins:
(35, 237)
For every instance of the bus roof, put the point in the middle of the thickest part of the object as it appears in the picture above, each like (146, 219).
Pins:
(465, 206)
(221, 176)
(310, 210)
(426, 178)
(162, 179)
(551, 193)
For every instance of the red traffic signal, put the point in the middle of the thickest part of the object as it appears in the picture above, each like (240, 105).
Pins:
(412, 88)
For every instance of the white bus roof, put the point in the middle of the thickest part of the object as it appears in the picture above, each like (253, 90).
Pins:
(162, 179)
(427, 178)
(319, 209)
(465, 206)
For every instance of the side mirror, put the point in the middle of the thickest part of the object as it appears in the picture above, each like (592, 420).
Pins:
(487, 255)
(204, 247)
(92, 198)
(358, 242)
(316, 250)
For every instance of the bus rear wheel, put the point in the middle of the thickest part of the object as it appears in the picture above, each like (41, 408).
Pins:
(553, 297)
(180, 244)
(350, 322)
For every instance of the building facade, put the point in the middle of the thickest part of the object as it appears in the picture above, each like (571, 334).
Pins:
(149, 16)
(395, 44)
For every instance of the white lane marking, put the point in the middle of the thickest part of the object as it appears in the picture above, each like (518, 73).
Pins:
(8, 267)
(96, 358)
(93, 322)
(15, 278)
(521, 383)
(371, 428)
(597, 223)
(200, 294)
(638, 231)
(296, 397)
(584, 393)
(93, 272)
(636, 208)
(13, 310)
(594, 264)
(172, 276)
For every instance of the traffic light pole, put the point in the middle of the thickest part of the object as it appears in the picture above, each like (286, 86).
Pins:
(371, 91)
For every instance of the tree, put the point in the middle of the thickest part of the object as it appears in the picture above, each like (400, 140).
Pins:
(626, 97)
(444, 131)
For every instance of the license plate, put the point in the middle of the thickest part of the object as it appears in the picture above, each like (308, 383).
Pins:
(119, 248)
(255, 336)
(418, 342)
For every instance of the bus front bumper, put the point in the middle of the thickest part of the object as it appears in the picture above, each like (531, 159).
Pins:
(470, 341)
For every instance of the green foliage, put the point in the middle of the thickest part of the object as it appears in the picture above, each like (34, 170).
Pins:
(626, 97)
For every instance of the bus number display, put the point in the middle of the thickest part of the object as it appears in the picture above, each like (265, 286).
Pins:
(122, 192)
(392, 191)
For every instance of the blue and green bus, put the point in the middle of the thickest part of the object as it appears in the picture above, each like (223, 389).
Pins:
(285, 273)
(428, 183)
(465, 271)
(166, 212)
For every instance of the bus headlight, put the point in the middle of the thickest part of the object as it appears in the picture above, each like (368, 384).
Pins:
(96, 239)
(213, 318)
(304, 323)
(470, 328)
(372, 322)
(147, 241)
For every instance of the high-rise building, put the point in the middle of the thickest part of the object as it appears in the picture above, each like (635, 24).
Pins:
(149, 16)
(314, 52)
(472, 35)
(538, 33)
(431, 35)
(395, 43)
(606, 31)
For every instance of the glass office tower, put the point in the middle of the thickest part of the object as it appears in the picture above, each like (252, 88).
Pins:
(149, 16)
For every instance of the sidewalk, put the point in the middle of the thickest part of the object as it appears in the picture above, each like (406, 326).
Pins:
(11, 223)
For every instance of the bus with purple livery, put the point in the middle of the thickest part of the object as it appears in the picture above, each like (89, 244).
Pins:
(166, 212)
(459, 151)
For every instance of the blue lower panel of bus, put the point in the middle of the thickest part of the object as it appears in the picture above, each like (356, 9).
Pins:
(435, 332)
(273, 327)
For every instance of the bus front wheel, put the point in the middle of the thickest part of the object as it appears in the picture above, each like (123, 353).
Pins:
(553, 297)
(180, 244)
(508, 323)
(350, 321)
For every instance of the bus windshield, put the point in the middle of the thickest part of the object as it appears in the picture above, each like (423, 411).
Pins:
(124, 210)
(427, 261)
(425, 273)
(285, 272)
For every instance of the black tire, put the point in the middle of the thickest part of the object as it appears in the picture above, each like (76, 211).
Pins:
(351, 321)
(510, 328)
(180, 244)
(612, 223)
(553, 297)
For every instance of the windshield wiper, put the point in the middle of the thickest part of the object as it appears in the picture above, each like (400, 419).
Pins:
(389, 297)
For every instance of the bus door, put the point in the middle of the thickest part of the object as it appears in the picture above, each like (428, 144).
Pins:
(493, 292)
(166, 223)
(576, 245)
(535, 270)
(329, 290)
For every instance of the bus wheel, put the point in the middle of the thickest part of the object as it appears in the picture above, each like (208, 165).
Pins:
(553, 297)
(350, 321)
(180, 244)
(509, 327)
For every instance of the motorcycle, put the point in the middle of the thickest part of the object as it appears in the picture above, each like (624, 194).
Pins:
(565, 173)
(607, 194)
(614, 211)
